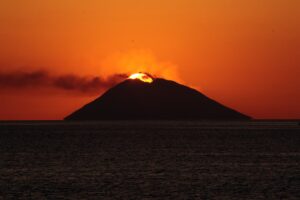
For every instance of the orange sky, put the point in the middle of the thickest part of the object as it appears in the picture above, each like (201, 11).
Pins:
(244, 54)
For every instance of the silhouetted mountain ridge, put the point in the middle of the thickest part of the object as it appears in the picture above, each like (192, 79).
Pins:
(160, 100)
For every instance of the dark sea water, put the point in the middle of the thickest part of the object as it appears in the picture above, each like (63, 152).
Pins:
(150, 160)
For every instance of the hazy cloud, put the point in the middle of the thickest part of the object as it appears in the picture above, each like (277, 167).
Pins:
(20, 80)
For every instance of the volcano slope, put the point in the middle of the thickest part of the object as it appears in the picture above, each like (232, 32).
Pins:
(160, 100)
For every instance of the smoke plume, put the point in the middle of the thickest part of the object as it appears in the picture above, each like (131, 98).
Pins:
(20, 80)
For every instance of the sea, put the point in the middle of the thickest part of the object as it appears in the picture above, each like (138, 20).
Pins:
(150, 160)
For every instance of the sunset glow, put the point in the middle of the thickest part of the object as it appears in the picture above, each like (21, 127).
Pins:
(142, 77)
(56, 55)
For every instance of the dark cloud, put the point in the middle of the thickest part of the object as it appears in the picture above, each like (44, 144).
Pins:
(69, 82)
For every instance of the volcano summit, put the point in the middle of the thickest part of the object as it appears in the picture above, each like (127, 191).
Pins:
(159, 99)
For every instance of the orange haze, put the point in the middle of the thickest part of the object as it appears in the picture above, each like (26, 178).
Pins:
(245, 54)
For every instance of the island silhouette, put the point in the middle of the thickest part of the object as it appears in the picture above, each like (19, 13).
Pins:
(134, 99)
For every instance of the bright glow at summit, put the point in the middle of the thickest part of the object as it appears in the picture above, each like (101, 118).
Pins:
(142, 77)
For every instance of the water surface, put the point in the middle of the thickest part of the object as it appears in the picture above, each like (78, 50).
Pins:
(150, 160)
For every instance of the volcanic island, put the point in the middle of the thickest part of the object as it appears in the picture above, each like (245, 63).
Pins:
(143, 97)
